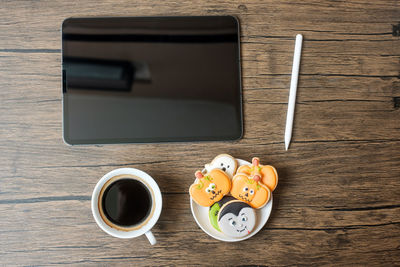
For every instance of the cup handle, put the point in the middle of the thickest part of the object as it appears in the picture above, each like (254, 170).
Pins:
(151, 237)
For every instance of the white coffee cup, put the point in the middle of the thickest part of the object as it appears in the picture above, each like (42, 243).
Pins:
(135, 230)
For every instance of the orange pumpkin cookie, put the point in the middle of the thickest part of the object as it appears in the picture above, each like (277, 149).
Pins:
(268, 174)
(210, 188)
(250, 190)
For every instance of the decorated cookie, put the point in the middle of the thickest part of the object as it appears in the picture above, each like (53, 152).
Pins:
(224, 162)
(268, 174)
(250, 190)
(207, 190)
(214, 211)
(236, 219)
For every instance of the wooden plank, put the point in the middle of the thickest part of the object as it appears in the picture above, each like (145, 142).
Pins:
(349, 180)
(367, 101)
(182, 242)
(334, 20)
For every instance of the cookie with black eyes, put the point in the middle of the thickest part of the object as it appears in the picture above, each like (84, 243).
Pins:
(236, 219)
(224, 162)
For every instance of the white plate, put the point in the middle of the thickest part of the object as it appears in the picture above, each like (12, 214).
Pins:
(200, 214)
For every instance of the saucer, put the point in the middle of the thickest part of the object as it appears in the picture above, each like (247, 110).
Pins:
(200, 214)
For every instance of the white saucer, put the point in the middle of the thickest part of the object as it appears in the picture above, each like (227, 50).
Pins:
(200, 214)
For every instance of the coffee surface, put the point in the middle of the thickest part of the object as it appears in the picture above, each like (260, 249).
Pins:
(126, 202)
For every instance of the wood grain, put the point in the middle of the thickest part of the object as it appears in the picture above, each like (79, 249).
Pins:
(338, 198)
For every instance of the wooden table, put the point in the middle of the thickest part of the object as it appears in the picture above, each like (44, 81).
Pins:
(338, 198)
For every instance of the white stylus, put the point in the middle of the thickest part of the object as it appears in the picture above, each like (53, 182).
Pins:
(293, 90)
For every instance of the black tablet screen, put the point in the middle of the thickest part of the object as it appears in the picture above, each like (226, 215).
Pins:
(151, 79)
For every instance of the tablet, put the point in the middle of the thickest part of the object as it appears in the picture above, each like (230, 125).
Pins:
(151, 79)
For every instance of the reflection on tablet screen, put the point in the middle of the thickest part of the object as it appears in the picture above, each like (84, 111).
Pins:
(151, 79)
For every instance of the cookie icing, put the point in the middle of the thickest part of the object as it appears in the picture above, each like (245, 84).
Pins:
(208, 189)
(267, 173)
(250, 190)
(224, 162)
(236, 219)
(214, 211)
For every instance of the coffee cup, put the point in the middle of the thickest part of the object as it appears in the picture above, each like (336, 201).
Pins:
(127, 203)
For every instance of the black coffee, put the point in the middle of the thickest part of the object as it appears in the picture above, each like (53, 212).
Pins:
(126, 202)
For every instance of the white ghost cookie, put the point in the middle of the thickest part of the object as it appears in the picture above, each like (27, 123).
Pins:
(236, 219)
(224, 162)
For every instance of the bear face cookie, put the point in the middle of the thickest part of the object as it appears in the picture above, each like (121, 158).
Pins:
(236, 219)
(250, 190)
(268, 174)
(214, 211)
(210, 188)
(224, 162)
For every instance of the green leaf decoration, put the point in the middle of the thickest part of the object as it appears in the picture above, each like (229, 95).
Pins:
(208, 178)
(200, 185)
(250, 181)
(258, 187)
